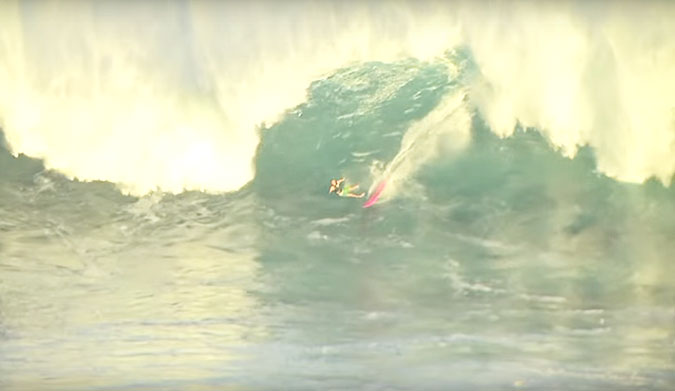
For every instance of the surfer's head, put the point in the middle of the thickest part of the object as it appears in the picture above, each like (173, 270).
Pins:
(333, 185)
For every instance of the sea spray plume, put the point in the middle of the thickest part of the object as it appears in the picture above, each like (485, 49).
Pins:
(168, 94)
(444, 131)
(600, 74)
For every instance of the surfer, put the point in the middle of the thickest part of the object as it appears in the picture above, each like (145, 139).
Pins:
(337, 186)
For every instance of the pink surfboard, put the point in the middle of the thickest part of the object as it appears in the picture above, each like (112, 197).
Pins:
(376, 194)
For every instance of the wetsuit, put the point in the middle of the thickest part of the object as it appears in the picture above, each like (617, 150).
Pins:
(345, 190)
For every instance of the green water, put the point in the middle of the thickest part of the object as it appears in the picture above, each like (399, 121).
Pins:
(507, 266)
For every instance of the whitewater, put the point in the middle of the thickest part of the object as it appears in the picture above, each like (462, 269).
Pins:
(165, 220)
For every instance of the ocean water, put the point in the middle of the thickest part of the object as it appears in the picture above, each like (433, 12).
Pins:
(165, 221)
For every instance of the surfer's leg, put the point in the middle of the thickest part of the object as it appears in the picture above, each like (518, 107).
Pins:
(349, 191)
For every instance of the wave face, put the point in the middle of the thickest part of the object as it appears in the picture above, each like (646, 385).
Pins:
(168, 95)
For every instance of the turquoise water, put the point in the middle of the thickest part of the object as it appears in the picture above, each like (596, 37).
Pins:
(508, 267)
(501, 265)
